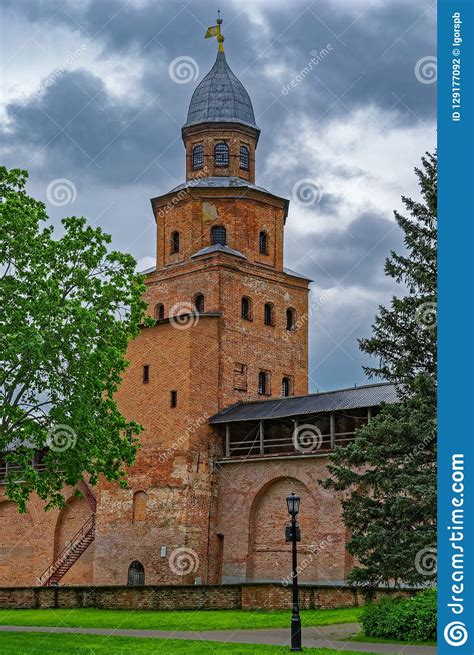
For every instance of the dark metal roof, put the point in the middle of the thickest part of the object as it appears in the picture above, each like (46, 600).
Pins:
(230, 251)
(218, 247)
(218, 181)
(220, 98)
(370, 395)
(290, 271)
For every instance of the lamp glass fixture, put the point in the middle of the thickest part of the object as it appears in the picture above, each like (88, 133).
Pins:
(293, 503)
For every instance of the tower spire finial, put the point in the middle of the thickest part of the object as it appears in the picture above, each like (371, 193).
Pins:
(215, 30)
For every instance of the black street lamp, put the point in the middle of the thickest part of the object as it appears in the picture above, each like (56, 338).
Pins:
(293, 534)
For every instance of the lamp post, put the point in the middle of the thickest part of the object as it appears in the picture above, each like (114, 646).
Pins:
(293, 534)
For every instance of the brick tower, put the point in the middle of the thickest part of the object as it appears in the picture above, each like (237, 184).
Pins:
(227, 329)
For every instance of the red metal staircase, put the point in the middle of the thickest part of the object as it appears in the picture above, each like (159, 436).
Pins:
(74, 548)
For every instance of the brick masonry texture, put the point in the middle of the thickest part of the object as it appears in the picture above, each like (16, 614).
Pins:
(225, 597)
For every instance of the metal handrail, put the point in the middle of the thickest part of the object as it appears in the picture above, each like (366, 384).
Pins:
(62, 557)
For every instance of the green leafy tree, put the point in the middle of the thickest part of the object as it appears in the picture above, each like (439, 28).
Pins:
(388, 474)
(69, 308)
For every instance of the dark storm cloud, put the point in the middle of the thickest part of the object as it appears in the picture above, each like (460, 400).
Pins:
(373, 56)
(82, 131)
(353, 256)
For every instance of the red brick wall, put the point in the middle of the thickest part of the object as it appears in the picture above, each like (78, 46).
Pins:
(246, 597)
(243, 213)
(252, 514)
(27, 541)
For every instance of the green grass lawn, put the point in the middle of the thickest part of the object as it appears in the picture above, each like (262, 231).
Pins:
(26, 644)
(378, 640)
(173, 620)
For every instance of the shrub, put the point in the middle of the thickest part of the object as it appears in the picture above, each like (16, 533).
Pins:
(406, 619)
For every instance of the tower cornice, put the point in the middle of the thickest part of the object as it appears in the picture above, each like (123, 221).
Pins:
(192, 190)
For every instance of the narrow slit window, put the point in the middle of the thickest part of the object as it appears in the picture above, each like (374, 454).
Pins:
(175, 242)
(246, 309)
(159, 311)
(263, 243)
(262, 383)
(290, 319)
(146, 373)
(268, 314)
(174, 398)
(199, 303)
(285, 387)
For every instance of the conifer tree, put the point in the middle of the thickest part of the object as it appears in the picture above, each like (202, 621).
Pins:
(388, 474)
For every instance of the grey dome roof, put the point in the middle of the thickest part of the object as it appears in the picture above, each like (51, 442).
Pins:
(220, 98)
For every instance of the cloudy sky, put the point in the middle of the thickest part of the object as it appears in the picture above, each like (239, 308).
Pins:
(93, 94)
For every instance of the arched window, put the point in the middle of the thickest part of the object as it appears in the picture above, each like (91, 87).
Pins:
(136, 574)
(221, 154)
(262, 383)
(246, 308)
(244, 158)
(198, 157)
(285, 387)
(290, 319)
(174, 242)
(263, 243)
(159, 311)
(139, 505)
(218, 235)
(199, 303)
(268, 313)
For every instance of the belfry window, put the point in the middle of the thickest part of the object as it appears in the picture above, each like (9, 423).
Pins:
(246, 309)
(263, 243)
(159, 311)
(198, 157)
(221, 154)
(244, 158)
(174, 242)
(285, 387)
(219, 235)
(268, 313)
(136, 574)
(199, 303)
(290, 319)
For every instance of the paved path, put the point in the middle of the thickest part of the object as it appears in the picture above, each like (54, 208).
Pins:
(329, 636)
